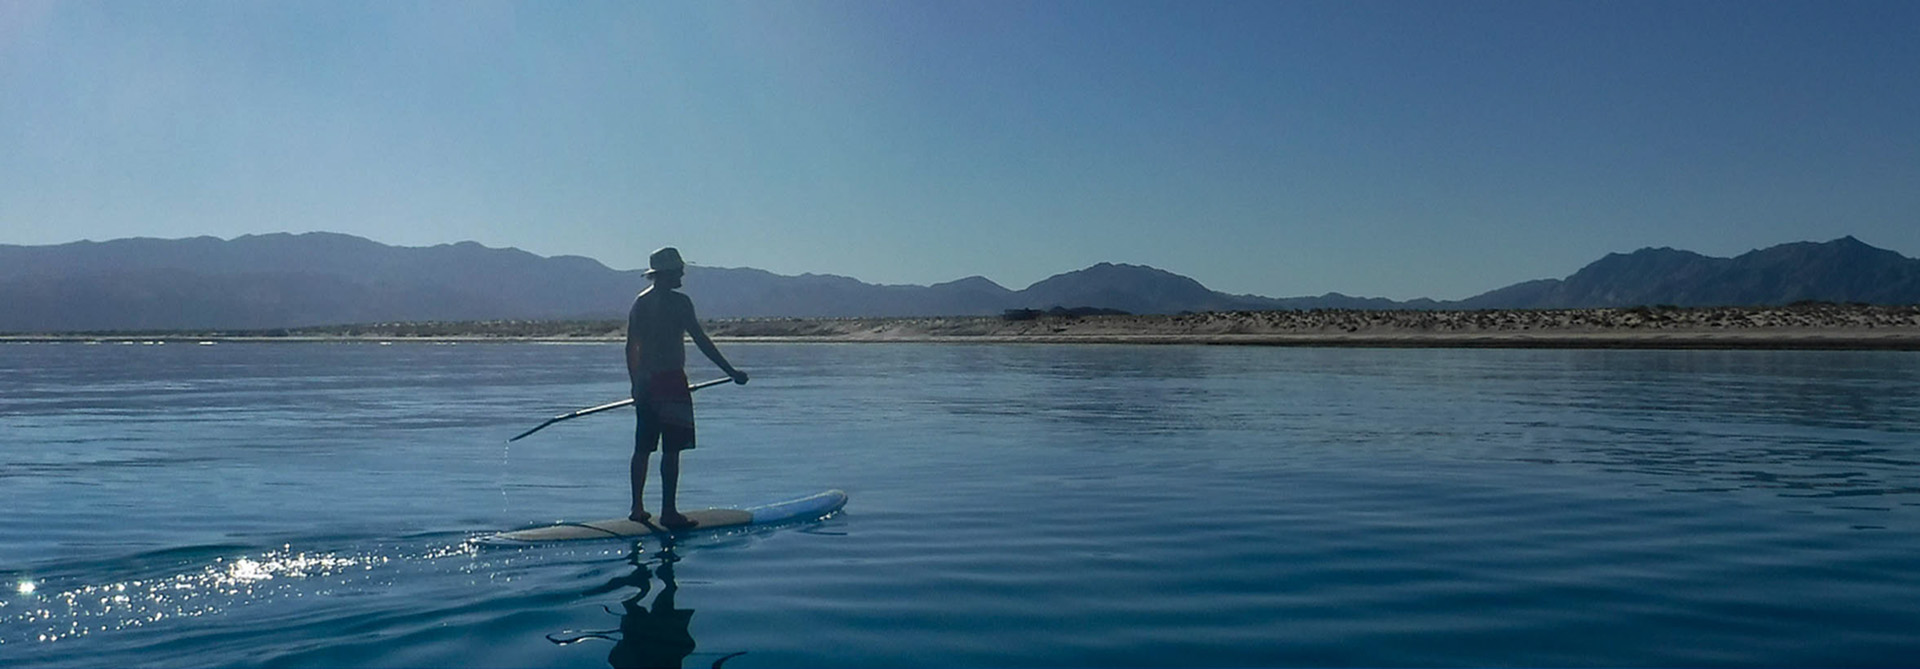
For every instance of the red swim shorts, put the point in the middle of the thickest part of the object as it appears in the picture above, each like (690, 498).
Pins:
(665, 413)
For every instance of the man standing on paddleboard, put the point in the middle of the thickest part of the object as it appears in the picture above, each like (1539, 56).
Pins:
(656, 366)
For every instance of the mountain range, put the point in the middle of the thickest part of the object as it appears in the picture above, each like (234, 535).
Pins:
(292, 280)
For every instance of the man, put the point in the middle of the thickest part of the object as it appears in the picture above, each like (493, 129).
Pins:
(656, 366)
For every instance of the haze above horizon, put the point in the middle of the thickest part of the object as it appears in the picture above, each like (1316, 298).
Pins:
(1375, 148)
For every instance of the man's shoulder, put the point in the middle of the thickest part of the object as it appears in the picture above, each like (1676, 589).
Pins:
(670, 300)
(662, 294)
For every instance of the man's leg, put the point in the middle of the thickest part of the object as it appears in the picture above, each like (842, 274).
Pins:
(644, 441)
(669, 483)
(637, 473)
(669, 487)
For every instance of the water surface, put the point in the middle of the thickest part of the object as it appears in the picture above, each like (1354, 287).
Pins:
(295, 505)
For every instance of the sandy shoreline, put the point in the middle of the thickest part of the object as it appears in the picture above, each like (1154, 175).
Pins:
(1812, 327)
(1800, 327)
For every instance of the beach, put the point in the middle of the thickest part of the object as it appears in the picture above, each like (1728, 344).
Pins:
(1807, 326)
(1797, 327)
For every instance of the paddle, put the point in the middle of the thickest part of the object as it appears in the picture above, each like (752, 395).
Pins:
(611, 405)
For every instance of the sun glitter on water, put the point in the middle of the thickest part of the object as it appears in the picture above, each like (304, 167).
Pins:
(25, 587)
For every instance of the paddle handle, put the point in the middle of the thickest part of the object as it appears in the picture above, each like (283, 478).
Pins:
(611, 405)
(709, 384)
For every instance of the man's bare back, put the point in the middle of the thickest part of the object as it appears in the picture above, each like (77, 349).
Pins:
(657, 324)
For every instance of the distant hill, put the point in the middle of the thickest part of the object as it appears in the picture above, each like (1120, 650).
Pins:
(1134, 289)
(1842, 270)
(288, 280)
(282, 280)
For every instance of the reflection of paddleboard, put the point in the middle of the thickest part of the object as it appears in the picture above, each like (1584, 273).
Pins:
(805, 508)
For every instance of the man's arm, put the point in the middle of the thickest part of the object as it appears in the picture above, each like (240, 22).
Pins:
(706, 346)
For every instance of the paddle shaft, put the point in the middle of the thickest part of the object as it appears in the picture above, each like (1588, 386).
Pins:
(610, 405)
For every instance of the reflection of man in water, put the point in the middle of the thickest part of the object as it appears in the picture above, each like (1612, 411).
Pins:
(655, 637)
(649, 637)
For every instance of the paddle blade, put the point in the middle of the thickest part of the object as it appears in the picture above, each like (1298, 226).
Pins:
(536, 428)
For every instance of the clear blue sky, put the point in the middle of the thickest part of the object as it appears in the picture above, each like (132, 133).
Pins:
(1396, 149)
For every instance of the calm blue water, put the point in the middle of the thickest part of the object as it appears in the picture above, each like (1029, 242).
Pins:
(304, 505)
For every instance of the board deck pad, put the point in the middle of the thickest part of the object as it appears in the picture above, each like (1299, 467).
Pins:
(802, 508)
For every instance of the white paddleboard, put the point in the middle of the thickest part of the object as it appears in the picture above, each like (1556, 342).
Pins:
(811, 507)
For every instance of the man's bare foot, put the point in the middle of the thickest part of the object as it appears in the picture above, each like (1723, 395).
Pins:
(639, 516)
(677, 521)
